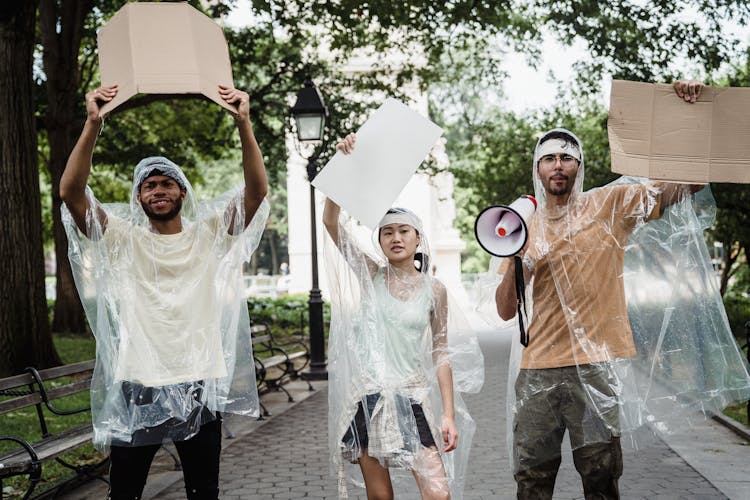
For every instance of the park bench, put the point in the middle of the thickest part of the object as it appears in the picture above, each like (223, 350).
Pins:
(39, 388)
(277, 361)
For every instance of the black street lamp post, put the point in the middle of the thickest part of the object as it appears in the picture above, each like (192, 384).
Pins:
(310, 113)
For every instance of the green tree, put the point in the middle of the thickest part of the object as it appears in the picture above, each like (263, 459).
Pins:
(732, 201)
(272, 58)
(628, 39)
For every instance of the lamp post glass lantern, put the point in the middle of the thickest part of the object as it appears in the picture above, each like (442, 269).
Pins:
(310, 127)
(310, 113)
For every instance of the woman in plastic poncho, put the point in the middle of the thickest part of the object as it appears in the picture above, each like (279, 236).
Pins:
(388, 347)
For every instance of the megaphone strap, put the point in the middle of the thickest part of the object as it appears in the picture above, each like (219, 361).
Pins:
(521, 299)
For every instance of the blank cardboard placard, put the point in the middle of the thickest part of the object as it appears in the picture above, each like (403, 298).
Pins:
(163, 48)
(390, 146)
(656, 134)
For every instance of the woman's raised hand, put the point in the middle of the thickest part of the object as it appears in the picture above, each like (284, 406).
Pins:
(346, 145)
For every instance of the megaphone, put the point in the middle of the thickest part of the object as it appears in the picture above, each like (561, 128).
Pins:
(502, 230)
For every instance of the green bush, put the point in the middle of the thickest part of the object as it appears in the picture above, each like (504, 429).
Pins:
(738, 312)
(288, 313)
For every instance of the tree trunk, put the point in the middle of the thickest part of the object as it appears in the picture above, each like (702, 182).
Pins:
(24, 329)
(727, 269)
(61, 28)
(68, 313)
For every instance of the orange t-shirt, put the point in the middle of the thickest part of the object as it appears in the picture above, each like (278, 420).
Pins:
(579, 311)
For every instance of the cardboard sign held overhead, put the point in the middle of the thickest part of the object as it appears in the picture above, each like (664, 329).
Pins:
(654, 133)
(390, 146)
(163, 48)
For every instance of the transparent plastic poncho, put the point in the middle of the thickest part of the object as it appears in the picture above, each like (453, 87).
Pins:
(168, 312)
(628, 336)
(390, 335)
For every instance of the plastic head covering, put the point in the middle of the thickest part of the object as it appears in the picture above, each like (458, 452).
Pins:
(551, 146)
(159, 165)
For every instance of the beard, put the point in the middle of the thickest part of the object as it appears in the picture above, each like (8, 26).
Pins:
(163, 216)
(561, 190)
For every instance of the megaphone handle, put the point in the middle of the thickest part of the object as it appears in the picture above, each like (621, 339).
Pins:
(521, 299)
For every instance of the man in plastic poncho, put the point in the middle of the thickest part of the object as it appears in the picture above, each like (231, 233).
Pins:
(573, 264)
(161, 283)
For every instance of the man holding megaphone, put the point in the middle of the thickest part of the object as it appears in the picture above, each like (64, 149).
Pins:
(573, 260)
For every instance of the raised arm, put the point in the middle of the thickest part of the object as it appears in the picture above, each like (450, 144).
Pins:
(505, 294)
(256, 181)
(331, 210)
(441, 358)
(672, 192)
(78, 168)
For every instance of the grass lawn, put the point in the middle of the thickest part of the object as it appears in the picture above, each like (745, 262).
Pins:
(737, 412)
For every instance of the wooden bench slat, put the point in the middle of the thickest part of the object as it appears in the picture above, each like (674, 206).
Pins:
(50, 447)
(66, 442)
(273, 361)
(64, 370)
(20, 402)
(23, 379)
(68, 389)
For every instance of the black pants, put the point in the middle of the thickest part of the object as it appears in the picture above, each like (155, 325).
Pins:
(200, 465)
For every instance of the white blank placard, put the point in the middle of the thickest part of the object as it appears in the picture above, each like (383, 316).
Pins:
(390, 146)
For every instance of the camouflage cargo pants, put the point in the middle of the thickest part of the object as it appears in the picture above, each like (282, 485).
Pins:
(581, 400)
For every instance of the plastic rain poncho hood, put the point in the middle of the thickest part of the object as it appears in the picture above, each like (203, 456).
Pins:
(390, 334)
(168, 312)
(627, 296)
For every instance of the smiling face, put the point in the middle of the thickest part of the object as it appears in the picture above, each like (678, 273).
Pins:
(161, 197)
(399, 242)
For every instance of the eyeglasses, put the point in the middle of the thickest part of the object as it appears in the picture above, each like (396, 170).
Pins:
(550, 160)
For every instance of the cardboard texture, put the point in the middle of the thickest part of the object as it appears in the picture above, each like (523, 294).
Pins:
(654, 133)
(390, 146)
(163, 48)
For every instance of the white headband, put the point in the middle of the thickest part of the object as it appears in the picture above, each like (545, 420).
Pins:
(401, 217)
(553, 146)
